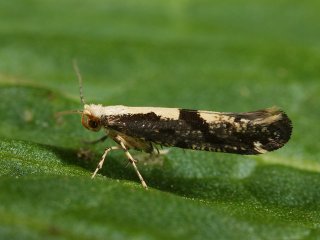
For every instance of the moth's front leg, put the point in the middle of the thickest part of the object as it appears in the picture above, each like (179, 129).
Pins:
(102, 139)
(100, 164)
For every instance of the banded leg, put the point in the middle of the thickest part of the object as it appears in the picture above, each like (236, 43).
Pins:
(100, 164)
(133, 162)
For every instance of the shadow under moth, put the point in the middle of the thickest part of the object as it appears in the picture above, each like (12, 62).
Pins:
(143, 128)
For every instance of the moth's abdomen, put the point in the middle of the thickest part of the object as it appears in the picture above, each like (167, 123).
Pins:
(241, 133)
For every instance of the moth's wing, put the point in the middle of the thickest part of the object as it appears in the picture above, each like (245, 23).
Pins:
(242, 133)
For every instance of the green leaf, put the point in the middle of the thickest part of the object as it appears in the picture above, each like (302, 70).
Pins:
(213, 55)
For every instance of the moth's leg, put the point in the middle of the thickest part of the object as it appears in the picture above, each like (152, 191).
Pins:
(133, 162)
(100, 164)
(164, 151)
(159, 151)
(102, 139)
(155, 147)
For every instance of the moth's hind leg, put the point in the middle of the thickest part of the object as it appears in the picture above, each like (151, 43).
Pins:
(156, 151)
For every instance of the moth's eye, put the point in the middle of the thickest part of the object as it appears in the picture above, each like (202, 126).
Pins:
(93, 124)
(90, 122)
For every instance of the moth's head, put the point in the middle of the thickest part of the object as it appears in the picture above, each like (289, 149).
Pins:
(90, 118)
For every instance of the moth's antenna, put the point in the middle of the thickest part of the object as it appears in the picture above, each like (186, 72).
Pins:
(59, 114)
(76, 69)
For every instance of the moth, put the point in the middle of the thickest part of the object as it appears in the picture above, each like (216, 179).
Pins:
(143, 128)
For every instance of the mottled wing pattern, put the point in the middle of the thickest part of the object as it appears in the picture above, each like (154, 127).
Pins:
(242, 133)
